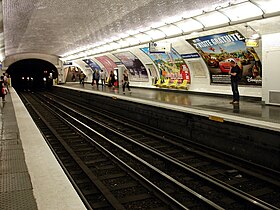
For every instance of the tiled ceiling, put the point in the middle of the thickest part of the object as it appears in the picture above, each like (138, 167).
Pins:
(60, 26)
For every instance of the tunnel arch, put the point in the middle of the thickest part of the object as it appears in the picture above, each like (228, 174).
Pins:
(32, 73)
(10, 59)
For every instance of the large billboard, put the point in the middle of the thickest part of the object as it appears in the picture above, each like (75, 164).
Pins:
(170, 64)
(136, 69)
(107, 62)
(219, 49)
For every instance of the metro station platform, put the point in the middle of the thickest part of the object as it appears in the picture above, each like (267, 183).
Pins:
(30, 176)
(250, 111)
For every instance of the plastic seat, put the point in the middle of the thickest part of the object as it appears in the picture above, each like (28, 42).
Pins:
(183, 85)
(158, 83)
(165, 84)
(174, 84)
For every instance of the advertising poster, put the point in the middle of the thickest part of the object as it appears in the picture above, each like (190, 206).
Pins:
(107, 62)
(136, 69)
(170, 64)
(93, 65)
(219, 49)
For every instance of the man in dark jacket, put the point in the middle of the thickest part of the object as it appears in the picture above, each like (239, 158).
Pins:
(82, 78)
(234, 76)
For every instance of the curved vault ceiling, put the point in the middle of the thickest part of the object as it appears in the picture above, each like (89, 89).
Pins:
(60, 26)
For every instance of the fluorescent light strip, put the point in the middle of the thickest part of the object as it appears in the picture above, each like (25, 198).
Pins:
(189, 25)
(155, 34)
(213, 19)
(268, 6)
(142, 37)
(171, 30)
(241, 12)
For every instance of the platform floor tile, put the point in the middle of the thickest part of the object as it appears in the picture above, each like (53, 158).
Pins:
(15, 182)
(12, 154)
(12, 166)
(18, 200)
(16, 192)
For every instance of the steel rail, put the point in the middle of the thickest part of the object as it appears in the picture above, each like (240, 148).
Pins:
(171, 200)
(235, 191)
(209, 202)
(107, 194)
(140, 127)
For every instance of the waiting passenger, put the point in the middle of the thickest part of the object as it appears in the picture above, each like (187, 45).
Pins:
(97, 77)
(6, 81)
(3, 91)
(93, 77)
(125, 82)
(82, 78)
(102, 77)
(234, 76)
(73, 77)
(112, 79)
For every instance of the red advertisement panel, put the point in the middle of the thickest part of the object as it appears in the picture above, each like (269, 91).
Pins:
(107, 62)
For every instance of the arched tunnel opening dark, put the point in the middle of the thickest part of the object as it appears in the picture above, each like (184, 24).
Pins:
(32, 74)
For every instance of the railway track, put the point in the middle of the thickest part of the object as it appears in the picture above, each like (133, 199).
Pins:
(101, 182)
(189, 178)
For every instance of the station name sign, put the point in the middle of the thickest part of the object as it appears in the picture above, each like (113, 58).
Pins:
(67, 63)
(190, 55)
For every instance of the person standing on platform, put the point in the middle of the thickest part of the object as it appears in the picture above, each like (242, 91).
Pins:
(97, 77)
(93, 77)
(82, 78)
(112, 79)
(234, 77)
(102, 77)
(73, 77)
(125, 81)
(3, 91)
(6, 83)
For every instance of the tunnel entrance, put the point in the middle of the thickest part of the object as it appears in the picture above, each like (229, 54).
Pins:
(30, 74)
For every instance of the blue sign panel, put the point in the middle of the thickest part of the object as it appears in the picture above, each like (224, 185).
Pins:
(93, 65)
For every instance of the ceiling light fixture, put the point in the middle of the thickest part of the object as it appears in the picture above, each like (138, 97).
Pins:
(256, 36)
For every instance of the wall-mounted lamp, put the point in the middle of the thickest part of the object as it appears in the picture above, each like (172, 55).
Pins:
(256, 36)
